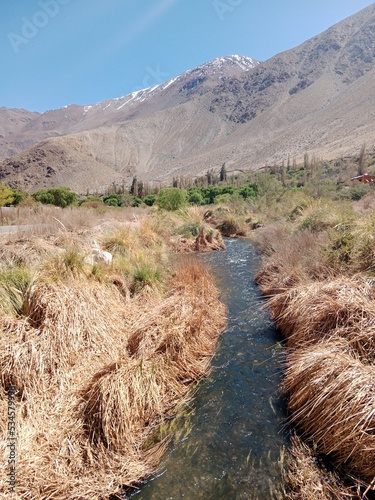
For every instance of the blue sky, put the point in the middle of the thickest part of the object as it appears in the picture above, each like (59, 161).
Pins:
(59, 52)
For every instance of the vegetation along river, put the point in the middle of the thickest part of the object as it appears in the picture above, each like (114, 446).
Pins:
(229, 446)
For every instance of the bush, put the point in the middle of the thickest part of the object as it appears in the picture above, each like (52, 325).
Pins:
(89, 199)
(189, 230)
(195, 197)
(248, 191)
(19, 196)
(172, 198)
(6, 195)
(136, 202)
(60, 197)
(150, 199)
(113, 200)
(223, 198)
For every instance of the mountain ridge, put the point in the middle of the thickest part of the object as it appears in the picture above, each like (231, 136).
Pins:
(316, 98)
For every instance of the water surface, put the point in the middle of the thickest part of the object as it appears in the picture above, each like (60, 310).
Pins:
(229, 446)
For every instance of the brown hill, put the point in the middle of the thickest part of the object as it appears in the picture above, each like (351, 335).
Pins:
(316, 98)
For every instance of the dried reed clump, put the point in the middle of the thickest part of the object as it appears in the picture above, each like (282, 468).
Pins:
(55, 458)
(185, 327)
(290, 259)
(332, 401)
(306, 478)
(62, 325)
(343, 307)
(125, 401)
(27, 251)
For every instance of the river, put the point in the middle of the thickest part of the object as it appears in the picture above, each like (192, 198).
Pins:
(228, 446)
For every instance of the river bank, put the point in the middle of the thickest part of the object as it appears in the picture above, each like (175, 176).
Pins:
(317, 275)
(96, 353)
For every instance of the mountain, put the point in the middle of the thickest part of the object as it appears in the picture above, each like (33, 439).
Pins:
(76, 143)
(12, 121)
(316, 98)
(73, 118)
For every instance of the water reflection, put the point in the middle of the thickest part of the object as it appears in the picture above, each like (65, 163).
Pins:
(229, 446)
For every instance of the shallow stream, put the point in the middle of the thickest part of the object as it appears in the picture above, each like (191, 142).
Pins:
(229, 446)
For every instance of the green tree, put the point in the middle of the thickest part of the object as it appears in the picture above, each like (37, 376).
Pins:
(223, 173)
(150, 199)
(113, 200)
(172, 198)
(195, 197)
(6, 195)
(60, 197)
(19, 196)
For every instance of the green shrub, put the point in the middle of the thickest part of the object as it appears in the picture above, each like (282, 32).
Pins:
(19, 196)
(150, 199)
(195, 197)
(248, 191)
(223, 198)
(60, 197)
(172, 198)
(89, 199)
(136, 202)
(113, 200)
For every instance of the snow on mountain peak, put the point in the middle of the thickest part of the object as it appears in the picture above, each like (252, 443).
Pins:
(217, 68)
(225, 65)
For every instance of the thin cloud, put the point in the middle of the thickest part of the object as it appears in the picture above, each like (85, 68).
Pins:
(117, 42)
(146, 20)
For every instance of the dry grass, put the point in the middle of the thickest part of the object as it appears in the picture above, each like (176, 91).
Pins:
(328, 319)
(324, 311)
(71, 218)
(61, 325)
(320, 215)
(126, 400)
(289, 258)
(183, 327)
(332, 400)
(97, 372)
(307, 478)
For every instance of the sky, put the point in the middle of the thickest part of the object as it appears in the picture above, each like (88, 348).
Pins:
(60, 52)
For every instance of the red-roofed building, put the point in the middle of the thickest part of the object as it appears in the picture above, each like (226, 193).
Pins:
(365, 178)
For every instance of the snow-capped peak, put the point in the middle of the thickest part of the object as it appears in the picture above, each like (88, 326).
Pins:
(216, 69)
(244, 63)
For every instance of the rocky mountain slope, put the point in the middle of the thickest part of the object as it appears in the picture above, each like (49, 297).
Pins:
(31, 128)
(317, 98)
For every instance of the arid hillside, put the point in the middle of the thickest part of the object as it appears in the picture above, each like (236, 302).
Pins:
(316, 98)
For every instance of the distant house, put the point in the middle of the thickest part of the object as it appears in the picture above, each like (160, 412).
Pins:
(365, 178)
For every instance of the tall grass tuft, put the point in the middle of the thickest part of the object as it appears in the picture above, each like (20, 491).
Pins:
(125, 400)
(306, 478)
(14, 283)
(322, 311)
(290, 258)
(332, 400)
